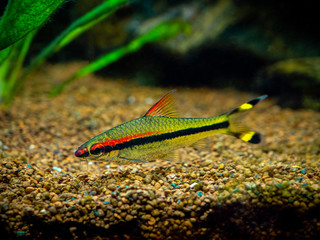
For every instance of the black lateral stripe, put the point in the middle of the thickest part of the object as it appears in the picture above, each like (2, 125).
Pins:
(254, 101)
(171, 135)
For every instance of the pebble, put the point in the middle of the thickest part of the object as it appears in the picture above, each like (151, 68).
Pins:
(58, 217)
(149, 207)
(55, 199)
(155, 212)
(100, 213)
(31, 147)
(9, 165)
(29, 171)
(221, 166)
(29, 189)
(112, 187)
(128, 217)
(250, 186)
(53, 210)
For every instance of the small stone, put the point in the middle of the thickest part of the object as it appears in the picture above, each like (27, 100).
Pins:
(188, 224)
(29, 171)
(157, 185)
(155, 212)
(128, 217)
(224, 195)
(112, 187)
(65, 196)
(45, 195)
(29, 189)
(58, 217)
(250, 186)
(221, 166)
(28, 210)
(198, 186)
(31, 147)
(193, 175)
(247, 172)
(148, 179)
(149, 207)
(72, 208)
(286, 194)
(55, 198)
(206, 163)
(152, 221)
(100, 212)
(9, 165)
(114, 202)
(53, 210)
(58, 204)
(315, 187)
(131, 99)
(47, 186)
(93, 193)
(129, 193)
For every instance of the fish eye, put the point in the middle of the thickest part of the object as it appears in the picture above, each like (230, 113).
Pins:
(97, 149)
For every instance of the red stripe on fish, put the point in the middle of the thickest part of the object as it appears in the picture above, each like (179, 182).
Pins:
(114, 142)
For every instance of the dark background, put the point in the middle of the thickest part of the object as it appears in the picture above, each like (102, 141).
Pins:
(268, 47)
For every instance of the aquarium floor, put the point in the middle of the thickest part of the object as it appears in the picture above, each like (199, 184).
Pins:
(228, 189)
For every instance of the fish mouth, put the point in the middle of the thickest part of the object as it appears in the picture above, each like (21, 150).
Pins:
(82, 152)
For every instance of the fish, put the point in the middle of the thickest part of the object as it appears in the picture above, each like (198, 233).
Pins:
(161, 131)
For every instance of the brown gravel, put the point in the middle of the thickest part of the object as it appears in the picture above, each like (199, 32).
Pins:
(231, 189)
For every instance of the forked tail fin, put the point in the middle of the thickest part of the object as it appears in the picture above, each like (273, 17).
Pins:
(237, 129)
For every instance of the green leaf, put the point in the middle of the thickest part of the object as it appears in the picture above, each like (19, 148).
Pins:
(78, 27)
(23, 16)
(75, 29)
(4, 54)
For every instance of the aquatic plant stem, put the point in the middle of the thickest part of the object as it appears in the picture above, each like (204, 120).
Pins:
(162, 31)
(11, 67)
(14, 74)
(74, 30)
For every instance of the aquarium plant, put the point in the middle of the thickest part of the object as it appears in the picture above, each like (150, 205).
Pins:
(22, 19)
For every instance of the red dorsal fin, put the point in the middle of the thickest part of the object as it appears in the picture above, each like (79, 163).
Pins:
(165, 107)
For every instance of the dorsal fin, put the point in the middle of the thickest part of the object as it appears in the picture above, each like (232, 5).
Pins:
(165, 107)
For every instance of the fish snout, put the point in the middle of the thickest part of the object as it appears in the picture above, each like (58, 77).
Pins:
(82, 152)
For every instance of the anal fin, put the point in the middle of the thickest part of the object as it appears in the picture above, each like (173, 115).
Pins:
(173, 156)
(201, 145)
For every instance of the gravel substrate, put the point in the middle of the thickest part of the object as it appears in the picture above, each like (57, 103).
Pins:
(230, 189)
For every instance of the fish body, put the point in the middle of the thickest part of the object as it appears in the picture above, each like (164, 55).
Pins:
(160, 131)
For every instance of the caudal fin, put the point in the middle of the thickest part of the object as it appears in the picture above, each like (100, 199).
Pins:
(237, 129)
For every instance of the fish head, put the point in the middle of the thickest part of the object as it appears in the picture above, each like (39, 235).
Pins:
(94, 149)
(82, 152)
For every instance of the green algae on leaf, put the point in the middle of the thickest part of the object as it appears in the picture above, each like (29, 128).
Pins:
(22, 17)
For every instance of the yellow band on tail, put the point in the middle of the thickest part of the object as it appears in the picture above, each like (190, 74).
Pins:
(237, 129)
